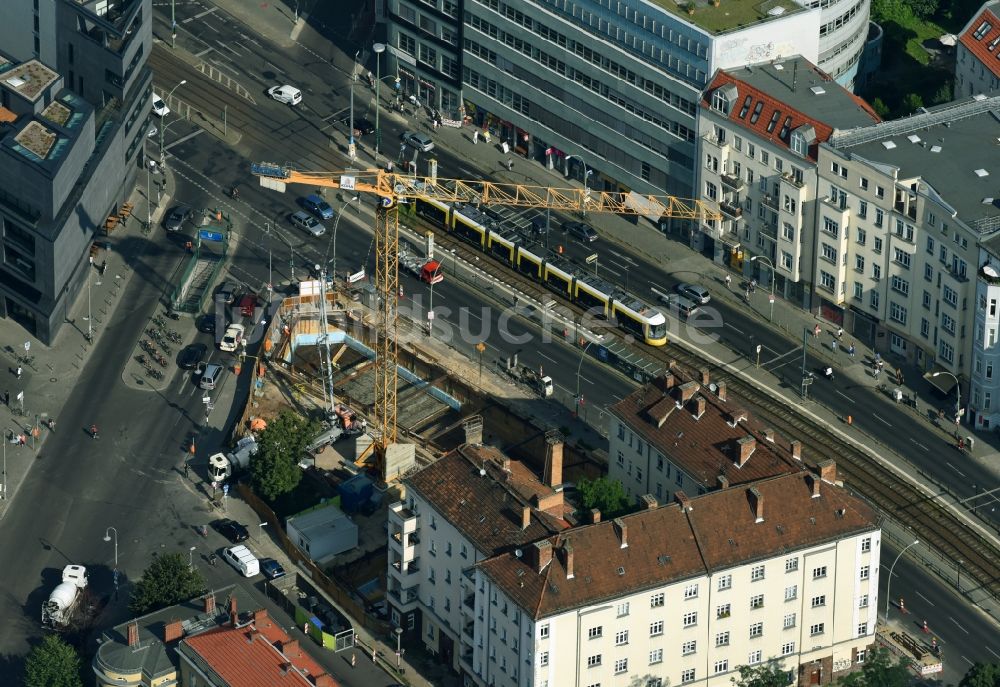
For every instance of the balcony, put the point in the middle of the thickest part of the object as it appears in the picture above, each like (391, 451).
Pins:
(731, 210)
(404, 596)
(470, 601)
(469, 630)
(770, 201)
(733, 182)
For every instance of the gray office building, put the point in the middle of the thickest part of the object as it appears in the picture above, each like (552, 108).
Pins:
(74, 107)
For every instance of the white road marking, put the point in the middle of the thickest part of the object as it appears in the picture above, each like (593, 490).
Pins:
(968, 661)
(586, 380)
(993, 652)
(844, 396)
(738, 331)
(779, 357)
(918, 443)
(183, 138)
(548, 358)
(957, 625)
(224, 45)
(624, 257)
(877, 417)
(954, 468)
(204, 52)
(923, 597)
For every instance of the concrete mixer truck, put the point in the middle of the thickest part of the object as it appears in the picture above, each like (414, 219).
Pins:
(65, 600)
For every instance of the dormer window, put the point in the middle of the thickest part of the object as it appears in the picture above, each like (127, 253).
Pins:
(798, 143)
(720, 103)
(801, 139)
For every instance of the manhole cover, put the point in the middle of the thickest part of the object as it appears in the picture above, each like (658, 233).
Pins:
(53, 379)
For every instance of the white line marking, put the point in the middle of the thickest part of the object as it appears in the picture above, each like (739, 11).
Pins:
(924, 598)
(968, 661)
(738, 331)
(957, 625)
(844, 395)
(548, 358)
(918, 443)
(586, 380)
(204, 52)
(954, 468)
(223, 45)
(993, 652)
(877, 417)
(623, 257)
(779, 357)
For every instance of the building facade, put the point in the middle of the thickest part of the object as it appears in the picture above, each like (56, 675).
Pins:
(982, 407)
(609, 93)
(977, 69)
(71, 150)
(759, 130)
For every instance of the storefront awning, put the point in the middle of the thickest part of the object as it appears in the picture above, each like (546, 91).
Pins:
(942, 380)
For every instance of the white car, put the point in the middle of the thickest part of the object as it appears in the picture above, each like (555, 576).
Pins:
(232, 338)
(160, 108)
(289, 95)
(306, 222)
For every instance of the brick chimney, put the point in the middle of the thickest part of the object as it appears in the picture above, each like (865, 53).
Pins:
(769, 434)
(756, 503)
(259, 616)
(703, 372)
(722, 481)
(668, 381)
(567, 550)
(133, 634)
(720, 391)
(473, 428)
(682, 499)
(290, 647)
(688, 390)
(738, 415)
(595, 515)
(796, 449)
(173, 631)
(233, 613)
(814, 483)
(699, 406)
(648, 502)
(525, 517)
(210, 604)
(622, 531)
(543, 554)
(324, 680)
(828, 470)
(747, 445)
(553, 463)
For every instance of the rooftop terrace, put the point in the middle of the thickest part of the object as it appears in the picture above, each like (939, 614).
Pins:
(728, 15)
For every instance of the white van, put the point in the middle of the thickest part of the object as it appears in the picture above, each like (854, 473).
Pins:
(289, 95)
(210, 376)
(240, 558)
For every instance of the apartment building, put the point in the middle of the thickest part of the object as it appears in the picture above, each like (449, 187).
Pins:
(784, 570)
(606, 92)
(977, 53)
(74, 110)
(982, 407)
(468, 506)
(682, 432)
(905, 205)
(759, 130)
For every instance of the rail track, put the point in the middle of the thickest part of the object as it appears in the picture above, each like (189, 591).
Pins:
(929, 520)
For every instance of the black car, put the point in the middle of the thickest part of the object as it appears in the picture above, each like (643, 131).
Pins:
(206, 323)
(363, 127)
(271, 568)
(579, 230)
(176, 218)
(226, 293)
(190, 356)
(231, 530)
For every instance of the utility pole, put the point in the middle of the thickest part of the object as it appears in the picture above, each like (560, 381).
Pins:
(806, 377)
(352, 150)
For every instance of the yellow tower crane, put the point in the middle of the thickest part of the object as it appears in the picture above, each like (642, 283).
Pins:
(391, 188)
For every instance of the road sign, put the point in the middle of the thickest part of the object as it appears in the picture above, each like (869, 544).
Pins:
(430, 315)
(592, 258)
(352, 150)
(357, 276)
(480, 347)
(27, 346)
(207, 235)
(771, 299)
(225, 489)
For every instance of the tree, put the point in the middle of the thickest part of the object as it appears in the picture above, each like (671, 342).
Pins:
(879, 670)
(605, 494)
(53, 663)
(763, 675)
(167, 581)
(982, 675)
(922, 9)
(911, 103)
(943, 94)
(881, 109)
(275, 468)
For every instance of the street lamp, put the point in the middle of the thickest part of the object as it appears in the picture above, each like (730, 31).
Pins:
(379, 48)
(958, 569)
(770, 264)
(163, 128)
(351, 149)
(90, 325)
(578, 368)
(333, 239)
(586, 180)
(958, 393)
(107, 537)
(191, 557)
(888, 583)
(399, 634)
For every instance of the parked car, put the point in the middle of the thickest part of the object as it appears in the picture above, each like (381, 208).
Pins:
(316, 205)
(160, 108)
(362, 127)
(190, 356)
(289, 95)
(231, 530)
(581, 231)
(699, 294)
(206, 323)
(232, 338)
(242, 559)
(226, 292)
(176, 218)
(306, 222)
(271, 568)
(248, 304)
(421, 142)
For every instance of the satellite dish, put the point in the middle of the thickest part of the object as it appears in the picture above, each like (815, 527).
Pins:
(482, 472)
(518, 553)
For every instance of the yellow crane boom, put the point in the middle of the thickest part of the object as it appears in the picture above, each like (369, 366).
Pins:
(391, 188)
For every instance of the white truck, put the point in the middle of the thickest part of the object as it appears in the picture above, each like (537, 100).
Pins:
(535, 379)
(65, 599)
(221, 466)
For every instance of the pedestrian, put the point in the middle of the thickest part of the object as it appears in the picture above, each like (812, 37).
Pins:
(510, 164)
(52, 424)
(729, 280)
(746, 295)
(475, 136)
(833, 345)
(840, 332)
(816, 331)
(6, 398)
(851, 350)
(19, 371)
(93, 431)
(186, 467)
(753, 285)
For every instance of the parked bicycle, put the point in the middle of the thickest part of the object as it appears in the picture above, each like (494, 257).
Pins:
(159, 321)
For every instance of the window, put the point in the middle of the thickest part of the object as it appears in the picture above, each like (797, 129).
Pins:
(901, 257)
(621, 638)
(689, 647)
(651, 682)
(711, 191)
(901, 285)
(819, 572)
(623, 609)
(789, 621)
(863, 209)
(925, 327)
(756, 630)
(790, 204)
(829, 253)
(691, 591)
(595, 632)
(655, 656)
(792, 592)
(897, 312)
(720, 102)
(873, 300)
(543, 658)
(831, 227)
(983, 29)
(863, 183)
(687, 675)
(738, 143)
(787, 231)
(799, 143)
(722, 639)
(593, 661)
(879, 217)
(827, 280)
(818, 601)
(865, 572)
(720, 666)
(863, 601)
(757, 573)
(757, 601)
(621, 665)
(859, 290)
(691, 619)
(861, 655)
(859, 263)
(791, 564)
(879, 192)
(723, 611)
(950, 296)
(876, 271)
(817, 629)
(866, 545)
(656, 600)
(725, 582)
(862, 629)
(543, 631)
(754, 657)
(786, 260)
(788, 648)
(656, 628)
(751, 149)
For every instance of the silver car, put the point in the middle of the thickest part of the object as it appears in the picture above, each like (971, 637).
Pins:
(306, 222)
(698, 294)
(421, 142)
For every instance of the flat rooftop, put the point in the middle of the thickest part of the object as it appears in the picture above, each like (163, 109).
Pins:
(28, 79)
(730, 14)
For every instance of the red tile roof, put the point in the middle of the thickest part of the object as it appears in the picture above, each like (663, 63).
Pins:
(769, 105)
(704, 447)
(980, 47)
(260, 653)
(666, 544)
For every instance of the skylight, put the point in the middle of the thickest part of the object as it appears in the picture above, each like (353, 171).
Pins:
(935, 149)
(982, 172)
(913, 138)
(888, 145)
(817, 90)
